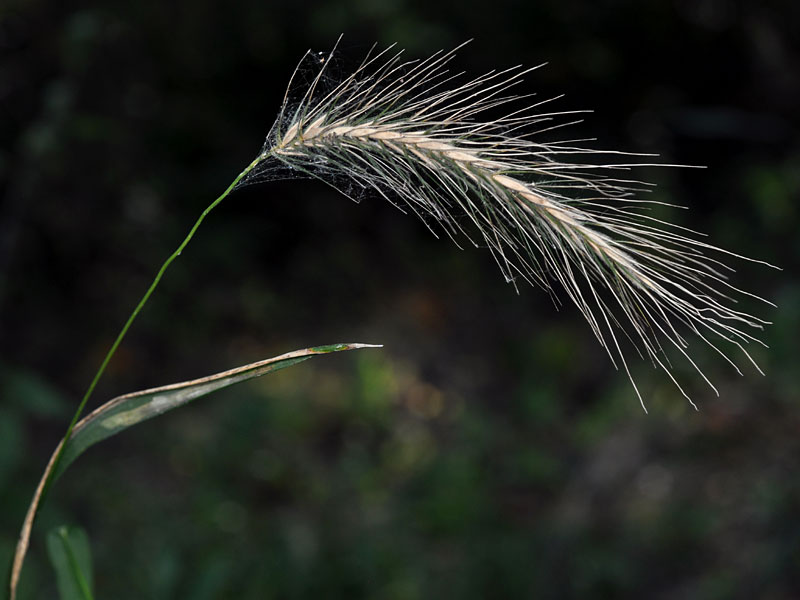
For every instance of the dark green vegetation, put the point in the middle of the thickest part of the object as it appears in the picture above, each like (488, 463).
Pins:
(489, 450)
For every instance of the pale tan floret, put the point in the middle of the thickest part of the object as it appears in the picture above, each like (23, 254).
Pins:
(423, 147)
(316, 132)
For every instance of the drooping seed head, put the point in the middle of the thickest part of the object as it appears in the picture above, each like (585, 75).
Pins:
(549, 212)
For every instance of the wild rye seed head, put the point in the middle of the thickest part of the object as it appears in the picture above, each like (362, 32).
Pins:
(547, 211)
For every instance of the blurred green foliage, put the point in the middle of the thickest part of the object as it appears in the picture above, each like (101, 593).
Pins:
(489, 450)
(71, 557)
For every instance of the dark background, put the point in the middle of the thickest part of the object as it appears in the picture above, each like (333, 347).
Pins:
(489, 450)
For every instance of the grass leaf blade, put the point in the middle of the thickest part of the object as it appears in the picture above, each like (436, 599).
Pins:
(125, 411)
(70, 555)
(128, 410)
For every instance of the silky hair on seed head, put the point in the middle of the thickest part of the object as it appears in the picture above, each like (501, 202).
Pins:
(566, 218)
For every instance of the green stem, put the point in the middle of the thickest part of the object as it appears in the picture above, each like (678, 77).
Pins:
(52, 467)
(80, 577)
(141, 304)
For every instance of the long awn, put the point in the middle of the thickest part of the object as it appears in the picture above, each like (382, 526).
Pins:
(547, 210)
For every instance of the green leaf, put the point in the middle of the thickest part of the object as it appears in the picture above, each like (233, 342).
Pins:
(125, 411)
(71, 557)
(128, 410)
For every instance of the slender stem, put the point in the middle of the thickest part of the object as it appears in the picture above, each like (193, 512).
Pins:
(143, 301)
(44, 485)
(80, 577)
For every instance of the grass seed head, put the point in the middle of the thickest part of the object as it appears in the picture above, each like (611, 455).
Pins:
(553, 214)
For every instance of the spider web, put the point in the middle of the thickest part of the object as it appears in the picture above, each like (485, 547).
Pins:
(326, 69)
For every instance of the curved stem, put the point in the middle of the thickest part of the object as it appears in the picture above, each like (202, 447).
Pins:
(24, 538)
(146, 297)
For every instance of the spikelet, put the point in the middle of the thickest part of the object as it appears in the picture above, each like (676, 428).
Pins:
(414, 134)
